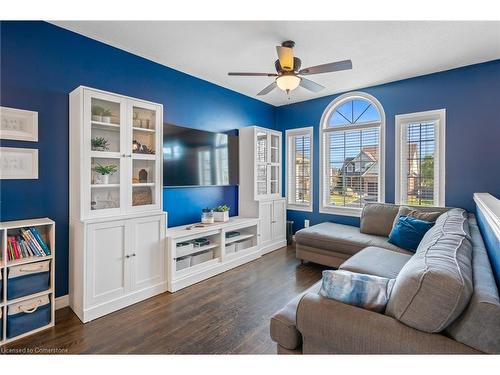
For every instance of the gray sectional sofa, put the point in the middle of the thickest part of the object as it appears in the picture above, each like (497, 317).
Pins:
(444, 300)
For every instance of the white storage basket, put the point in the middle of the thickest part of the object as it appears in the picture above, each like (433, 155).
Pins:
(231, 248)
(202, 257)
(242, 245)
(182, 249)
(183, 262)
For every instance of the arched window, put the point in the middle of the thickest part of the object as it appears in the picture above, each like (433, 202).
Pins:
(352, 154)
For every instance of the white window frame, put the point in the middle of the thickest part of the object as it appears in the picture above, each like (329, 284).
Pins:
(324, 129)
(402, 121)
(290, 167)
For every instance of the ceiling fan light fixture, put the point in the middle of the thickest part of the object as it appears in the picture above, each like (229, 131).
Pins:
(288, 82)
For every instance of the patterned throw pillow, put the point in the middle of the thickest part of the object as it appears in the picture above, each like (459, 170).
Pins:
(366, 291)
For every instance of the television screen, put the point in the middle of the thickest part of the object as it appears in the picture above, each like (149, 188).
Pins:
(194, 157)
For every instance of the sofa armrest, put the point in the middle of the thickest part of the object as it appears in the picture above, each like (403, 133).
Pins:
(331, 327)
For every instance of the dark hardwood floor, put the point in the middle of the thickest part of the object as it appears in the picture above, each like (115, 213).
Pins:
(226, 314)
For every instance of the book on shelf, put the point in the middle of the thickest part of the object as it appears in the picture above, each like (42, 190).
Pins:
(29, 243)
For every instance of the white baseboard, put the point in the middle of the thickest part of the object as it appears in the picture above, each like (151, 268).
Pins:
(62, 301)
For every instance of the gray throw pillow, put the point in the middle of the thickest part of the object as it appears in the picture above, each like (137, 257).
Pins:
(417, 214)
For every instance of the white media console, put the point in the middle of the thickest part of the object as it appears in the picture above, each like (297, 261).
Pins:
(230, 245)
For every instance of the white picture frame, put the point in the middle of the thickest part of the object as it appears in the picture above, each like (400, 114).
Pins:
(18, 124)
(18, 163)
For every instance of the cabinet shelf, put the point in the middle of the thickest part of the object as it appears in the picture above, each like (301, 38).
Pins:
(105, 126)
(105, 154)
(29, 296)
(241, 237)
(144, 129)
(18, 262)
(138, 156)
(141, 184)
(104, 186)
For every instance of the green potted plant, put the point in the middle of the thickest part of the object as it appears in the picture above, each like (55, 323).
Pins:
(106, 116)
(97, 113)
(103, 173)
(99, 144)
(221, 213)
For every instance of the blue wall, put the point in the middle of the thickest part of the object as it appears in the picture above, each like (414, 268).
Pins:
(42, 63)
(471, 96)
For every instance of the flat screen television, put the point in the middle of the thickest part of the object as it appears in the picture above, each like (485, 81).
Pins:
(193, 157)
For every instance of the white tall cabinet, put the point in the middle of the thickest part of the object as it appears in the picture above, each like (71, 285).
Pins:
(117, 226)
(260, 184)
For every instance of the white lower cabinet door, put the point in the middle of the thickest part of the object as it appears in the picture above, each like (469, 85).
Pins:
(266, 215)
(107, 268)
(278, 222)
(147, 254)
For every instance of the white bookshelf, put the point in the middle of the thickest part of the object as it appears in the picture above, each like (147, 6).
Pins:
(46, 227)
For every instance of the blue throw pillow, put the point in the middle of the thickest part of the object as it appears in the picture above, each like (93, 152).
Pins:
(408, 232)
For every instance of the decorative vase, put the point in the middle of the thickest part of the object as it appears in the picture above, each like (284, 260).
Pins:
(106, 119)
(102, 179)
(221, 216)
(97, 118)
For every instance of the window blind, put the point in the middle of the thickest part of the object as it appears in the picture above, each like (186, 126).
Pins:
(299, 167)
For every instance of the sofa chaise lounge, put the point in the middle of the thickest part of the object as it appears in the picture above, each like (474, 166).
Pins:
(444, 300)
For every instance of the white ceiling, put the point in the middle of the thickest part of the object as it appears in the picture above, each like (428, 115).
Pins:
(380, 51)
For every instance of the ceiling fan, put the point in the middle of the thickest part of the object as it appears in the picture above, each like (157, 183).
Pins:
(289, 72)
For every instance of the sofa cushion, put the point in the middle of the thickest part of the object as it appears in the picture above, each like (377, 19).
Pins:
(419, 213)
(479, 325)
(341, 238)
(366, 291)
(378, 218)
(434, 287)
(283, 323)
(376, 261)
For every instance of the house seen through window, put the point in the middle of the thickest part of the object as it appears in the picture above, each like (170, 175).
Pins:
(351, 152)
(299, 172)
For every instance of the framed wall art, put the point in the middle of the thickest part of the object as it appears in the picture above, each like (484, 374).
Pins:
(18, 124)
(18, 163)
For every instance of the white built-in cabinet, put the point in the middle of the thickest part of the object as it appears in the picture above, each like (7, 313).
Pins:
(260, 184)
(117, 227)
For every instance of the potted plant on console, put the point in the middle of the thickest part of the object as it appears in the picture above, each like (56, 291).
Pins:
(221, 213)
(103, 173)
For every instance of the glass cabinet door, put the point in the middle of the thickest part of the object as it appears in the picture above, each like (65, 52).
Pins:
(144, 150)
(262, 151)
(274, 174)
(106, 127)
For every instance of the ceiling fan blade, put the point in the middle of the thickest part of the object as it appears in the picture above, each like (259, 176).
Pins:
(268, 89)
(285, 55)
(310, 85)
(326, 68)
(252, 74)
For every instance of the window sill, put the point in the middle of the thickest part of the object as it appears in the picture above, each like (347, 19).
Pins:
(344, 211)
(299, 208)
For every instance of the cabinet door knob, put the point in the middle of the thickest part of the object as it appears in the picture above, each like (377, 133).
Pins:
(123, 155)
(127, 256)
(129, 155)
(134, 254)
